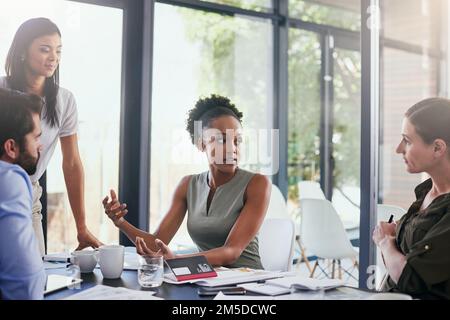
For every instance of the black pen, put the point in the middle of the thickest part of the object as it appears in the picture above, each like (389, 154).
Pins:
(391, 218)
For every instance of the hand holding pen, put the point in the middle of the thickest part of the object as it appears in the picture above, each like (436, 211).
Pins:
(391, 218)
(384, 229)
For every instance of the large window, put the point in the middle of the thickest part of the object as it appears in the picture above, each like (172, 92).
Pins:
(256, 5)
(408, 76)
(196, 54)
(91, 69)
(346, 134)
(415, 22)
(337, 13)
(304, 112)
(324, 106)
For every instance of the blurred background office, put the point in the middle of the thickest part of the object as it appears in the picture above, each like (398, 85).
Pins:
(136, 67)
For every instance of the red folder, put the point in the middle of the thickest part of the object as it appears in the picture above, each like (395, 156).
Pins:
(190, 268)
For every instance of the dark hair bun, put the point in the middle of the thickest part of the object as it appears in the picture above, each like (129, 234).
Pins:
(431, 119)
(209, 108)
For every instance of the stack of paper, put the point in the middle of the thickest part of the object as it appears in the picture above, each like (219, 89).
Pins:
(221, 296)
(54, 265)
(265, 289)
(101, 292)
(229, 277)
(302, 283)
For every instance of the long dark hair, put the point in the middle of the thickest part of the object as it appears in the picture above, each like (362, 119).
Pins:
(15, 64)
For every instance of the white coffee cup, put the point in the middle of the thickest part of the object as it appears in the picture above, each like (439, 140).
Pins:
(85, 259)
(389, 296)
(110, 259)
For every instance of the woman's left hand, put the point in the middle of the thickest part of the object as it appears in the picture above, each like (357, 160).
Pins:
(383, 230)
(143, 250)
(87, 239)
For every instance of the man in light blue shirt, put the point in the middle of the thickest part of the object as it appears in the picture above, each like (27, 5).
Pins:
(22, 273)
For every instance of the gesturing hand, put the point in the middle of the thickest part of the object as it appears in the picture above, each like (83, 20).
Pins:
(163, 249)
(114, 209)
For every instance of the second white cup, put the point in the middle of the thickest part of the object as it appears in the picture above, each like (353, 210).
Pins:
(110, 259)
(85, 259)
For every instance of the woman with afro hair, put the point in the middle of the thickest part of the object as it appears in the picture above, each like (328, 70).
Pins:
(225, 205)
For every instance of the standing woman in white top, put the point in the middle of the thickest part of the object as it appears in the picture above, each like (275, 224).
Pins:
(32, 66)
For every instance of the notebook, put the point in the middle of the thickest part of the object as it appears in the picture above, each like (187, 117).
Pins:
(302, 283)
(229, 277)
(190, 268)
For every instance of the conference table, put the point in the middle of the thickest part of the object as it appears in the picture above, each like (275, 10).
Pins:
(127, 280)
(168, 291)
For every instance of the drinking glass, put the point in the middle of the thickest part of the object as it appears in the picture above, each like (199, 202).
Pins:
(150, 271)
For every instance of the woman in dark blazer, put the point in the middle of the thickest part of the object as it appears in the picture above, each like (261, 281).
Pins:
(416, 250)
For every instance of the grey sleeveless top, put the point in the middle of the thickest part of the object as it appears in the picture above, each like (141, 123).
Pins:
(210, 229)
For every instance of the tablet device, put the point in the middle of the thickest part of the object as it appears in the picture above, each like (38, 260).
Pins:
(57, 282)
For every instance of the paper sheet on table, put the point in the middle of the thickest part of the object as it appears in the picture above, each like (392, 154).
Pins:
(305, 295)
(230, 276)
(303, 283)
(54, 265)
(265, 289)
(101, 292)
(342, 293)
(348, 293)
(221, 296)
(131, 259)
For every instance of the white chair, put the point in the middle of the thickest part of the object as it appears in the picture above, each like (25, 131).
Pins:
(324, 235)
(310, 190)
(276, 244)
(277, 205)
(278, 209)
(384, 212)
(307, 190)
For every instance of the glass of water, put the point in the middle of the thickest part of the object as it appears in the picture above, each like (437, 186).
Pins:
(73, 271)
(150, 271)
